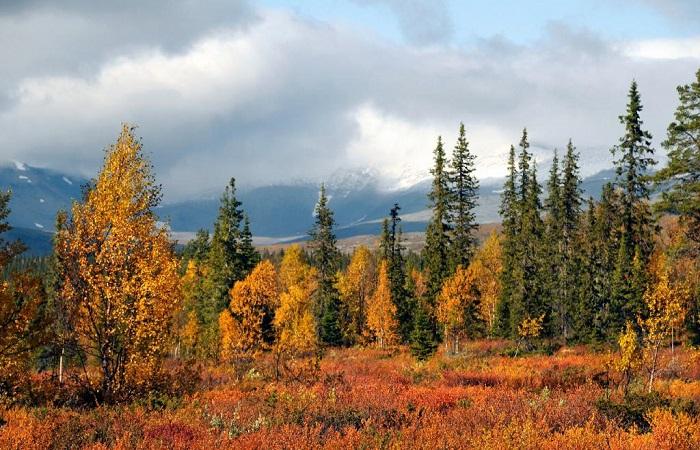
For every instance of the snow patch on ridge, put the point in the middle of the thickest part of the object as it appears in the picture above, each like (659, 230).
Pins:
(68, 181)
(20, 166)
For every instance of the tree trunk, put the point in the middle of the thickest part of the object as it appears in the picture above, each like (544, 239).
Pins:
(60, 366)
(652, 371)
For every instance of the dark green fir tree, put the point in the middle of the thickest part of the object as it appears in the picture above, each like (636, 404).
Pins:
(326, 258)
(511, 223)
(634, 159)
(463, 201)
(436, 252)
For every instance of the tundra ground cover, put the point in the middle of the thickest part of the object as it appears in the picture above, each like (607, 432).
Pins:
(379, 399)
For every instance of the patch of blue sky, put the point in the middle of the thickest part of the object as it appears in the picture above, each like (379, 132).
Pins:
(519, 21)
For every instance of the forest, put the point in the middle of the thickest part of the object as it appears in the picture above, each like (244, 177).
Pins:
(575, 324)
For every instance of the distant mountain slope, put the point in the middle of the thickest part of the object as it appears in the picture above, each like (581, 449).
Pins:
(37, 194)
(278, 212)
(38, 242)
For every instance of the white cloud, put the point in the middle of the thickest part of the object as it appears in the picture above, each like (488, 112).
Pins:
(401, 150)
(680, 48)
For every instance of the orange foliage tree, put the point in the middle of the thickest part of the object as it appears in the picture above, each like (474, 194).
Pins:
(356, 286)
(253, 301)
(297, 347)
(118, 274)
(382, 325)
(458, 308)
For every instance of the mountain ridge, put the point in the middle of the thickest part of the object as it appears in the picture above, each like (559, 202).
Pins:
(279, 212)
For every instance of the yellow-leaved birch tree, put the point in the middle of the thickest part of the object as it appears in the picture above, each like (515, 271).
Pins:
(118, 274)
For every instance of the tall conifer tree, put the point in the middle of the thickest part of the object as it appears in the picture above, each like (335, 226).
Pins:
(511, 223)
(554, 250)
(463, 201)
(526, 290)
(570, 236)
(225, 265)
(683, 167)
(326, 259)
(392, 250)
(634, 159)
(437, 239)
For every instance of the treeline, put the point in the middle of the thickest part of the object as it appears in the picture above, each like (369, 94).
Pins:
(114, 301)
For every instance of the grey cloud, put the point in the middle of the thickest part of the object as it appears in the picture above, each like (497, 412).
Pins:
(422, 22)
(77, 36)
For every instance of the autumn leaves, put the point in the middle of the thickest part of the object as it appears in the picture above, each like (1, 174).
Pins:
(117, 274)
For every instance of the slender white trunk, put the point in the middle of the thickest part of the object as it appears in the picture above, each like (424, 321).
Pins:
(60, 366)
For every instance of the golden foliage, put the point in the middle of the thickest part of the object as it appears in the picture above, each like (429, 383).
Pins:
(253, 301)
(531, 327)
(487, 267)
(381, 313)
(297, 345)
(458, 306)
(187, 324)
(230, 335)
(666, 306)
(190, 333)
(356, 286)
(630, 354)
(665, 302)
(120, 281)
(419, 282)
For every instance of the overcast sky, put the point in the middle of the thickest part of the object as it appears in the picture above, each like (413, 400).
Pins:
(271, 91)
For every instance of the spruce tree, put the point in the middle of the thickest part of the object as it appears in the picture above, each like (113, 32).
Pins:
(197, 249)
(682, 171)
(397, 276)
(230, 257)
(436, 252)
(326, 258)
(606, 239)
(463, 201)
(511, 223)
(226, 264)
(248, 253)
(530, 296)
(553, 247)
(570, 196)
(634, 159)
(385, 241)
(588, 306)
(524, 254)
(437, 239)
(423, 341)
(570, 235)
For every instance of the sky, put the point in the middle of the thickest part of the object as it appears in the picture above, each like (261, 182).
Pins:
(276, 91)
